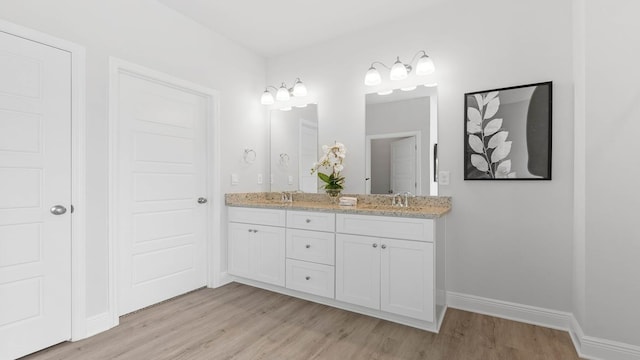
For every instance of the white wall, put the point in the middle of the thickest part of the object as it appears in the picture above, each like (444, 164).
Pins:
(510, 241)
(611, 108)
(147, 33)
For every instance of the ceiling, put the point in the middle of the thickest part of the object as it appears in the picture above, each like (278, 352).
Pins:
(272, 28)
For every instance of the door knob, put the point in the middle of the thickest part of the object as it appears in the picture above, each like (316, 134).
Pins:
(384, 246)
(375, 245)
(202, 200)
(58, 210)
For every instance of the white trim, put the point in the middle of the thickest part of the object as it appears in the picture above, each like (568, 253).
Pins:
(507, 310)
(99, 323)
(213, 237)
(587, 347)
(417, 134)
(78, 169)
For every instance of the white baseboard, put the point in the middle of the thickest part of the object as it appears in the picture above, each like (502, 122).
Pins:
(588, 347)
(99, 323)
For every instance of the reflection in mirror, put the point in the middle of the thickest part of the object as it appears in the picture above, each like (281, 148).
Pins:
(294, 149)
(401, 130)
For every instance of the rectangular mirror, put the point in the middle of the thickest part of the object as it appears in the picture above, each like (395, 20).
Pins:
(401, 135)
(294, 149)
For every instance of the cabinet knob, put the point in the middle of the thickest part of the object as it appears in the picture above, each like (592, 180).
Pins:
(250, 230)
(308, 221)
(383, 246)
(307, 246)
(307, 277)
(375, 245)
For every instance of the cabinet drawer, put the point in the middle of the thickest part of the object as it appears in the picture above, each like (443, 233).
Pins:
(311, 278)
(314, 246)
(257, 216)
(307, 220)
(385, 226)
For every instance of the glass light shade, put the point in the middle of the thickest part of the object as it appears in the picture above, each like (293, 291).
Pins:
(425, 66)
(398, 71)
(385, 92)
(408, 88)
(299, 89)
(372, 78)
(288, 108)
(283, 93)
(267, 98)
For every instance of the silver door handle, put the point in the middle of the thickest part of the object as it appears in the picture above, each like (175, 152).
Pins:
(384, 246)
(375, 245)
(202, 200)
(58, 210)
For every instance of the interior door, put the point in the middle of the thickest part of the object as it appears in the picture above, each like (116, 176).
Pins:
(161, 176)
(403, 165)
(35, 195)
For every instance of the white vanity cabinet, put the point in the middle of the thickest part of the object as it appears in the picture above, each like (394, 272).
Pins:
(257, 245)
(391, 267)
(394, 273)
(310, 252)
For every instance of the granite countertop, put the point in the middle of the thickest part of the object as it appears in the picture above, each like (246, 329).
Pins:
(426, 207)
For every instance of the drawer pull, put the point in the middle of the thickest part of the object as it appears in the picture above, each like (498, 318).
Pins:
(375, 245)
(383, 246)
(307, 278)
(308, 221)
(307, 246)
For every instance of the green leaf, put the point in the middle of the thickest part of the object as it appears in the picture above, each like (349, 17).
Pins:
(324, 177)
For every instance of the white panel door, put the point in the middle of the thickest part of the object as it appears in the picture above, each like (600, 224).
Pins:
(161, 174)
(35, 175)
(358, 270)
(403, 165)
(406, 278)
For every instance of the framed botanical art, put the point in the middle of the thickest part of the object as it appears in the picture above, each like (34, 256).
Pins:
(507, 133)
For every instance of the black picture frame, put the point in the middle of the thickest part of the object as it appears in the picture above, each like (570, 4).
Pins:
(507, 133)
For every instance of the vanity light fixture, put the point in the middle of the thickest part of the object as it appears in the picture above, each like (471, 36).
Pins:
(400, 70)
(385, 92)
(283, 93)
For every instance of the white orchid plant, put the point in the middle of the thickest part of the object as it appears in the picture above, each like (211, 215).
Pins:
(332, 160)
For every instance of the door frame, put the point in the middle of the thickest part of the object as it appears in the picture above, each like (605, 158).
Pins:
(78, 168)
(369, 138)
(213, 233)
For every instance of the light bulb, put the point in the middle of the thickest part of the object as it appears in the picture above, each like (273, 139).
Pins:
(385, 92)
(425, 66)
(372, 78)
(267, 98)
(283, 93)
(299, 89)
(398, 71)
(408, 88)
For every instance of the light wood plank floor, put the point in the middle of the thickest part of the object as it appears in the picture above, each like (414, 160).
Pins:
(241, 322)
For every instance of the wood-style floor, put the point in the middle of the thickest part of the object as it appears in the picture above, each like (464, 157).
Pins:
(241, 322)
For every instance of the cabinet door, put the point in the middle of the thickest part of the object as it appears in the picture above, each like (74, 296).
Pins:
(238, 254)
(358, 270)
(407, 278)
(267, 254)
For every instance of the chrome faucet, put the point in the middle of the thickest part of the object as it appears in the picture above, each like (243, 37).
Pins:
(401, 199)
(286, 197)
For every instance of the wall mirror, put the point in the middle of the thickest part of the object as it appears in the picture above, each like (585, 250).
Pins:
(401, 136)
(294, 149)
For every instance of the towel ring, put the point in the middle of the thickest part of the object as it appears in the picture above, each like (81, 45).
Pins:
(284, 160)
(249, 156)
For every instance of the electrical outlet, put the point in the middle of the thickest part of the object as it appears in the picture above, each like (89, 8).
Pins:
(260, 179)
(290, 180)
(235, 179)
(443, 177)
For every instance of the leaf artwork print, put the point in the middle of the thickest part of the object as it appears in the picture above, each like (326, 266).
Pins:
(487, 140)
